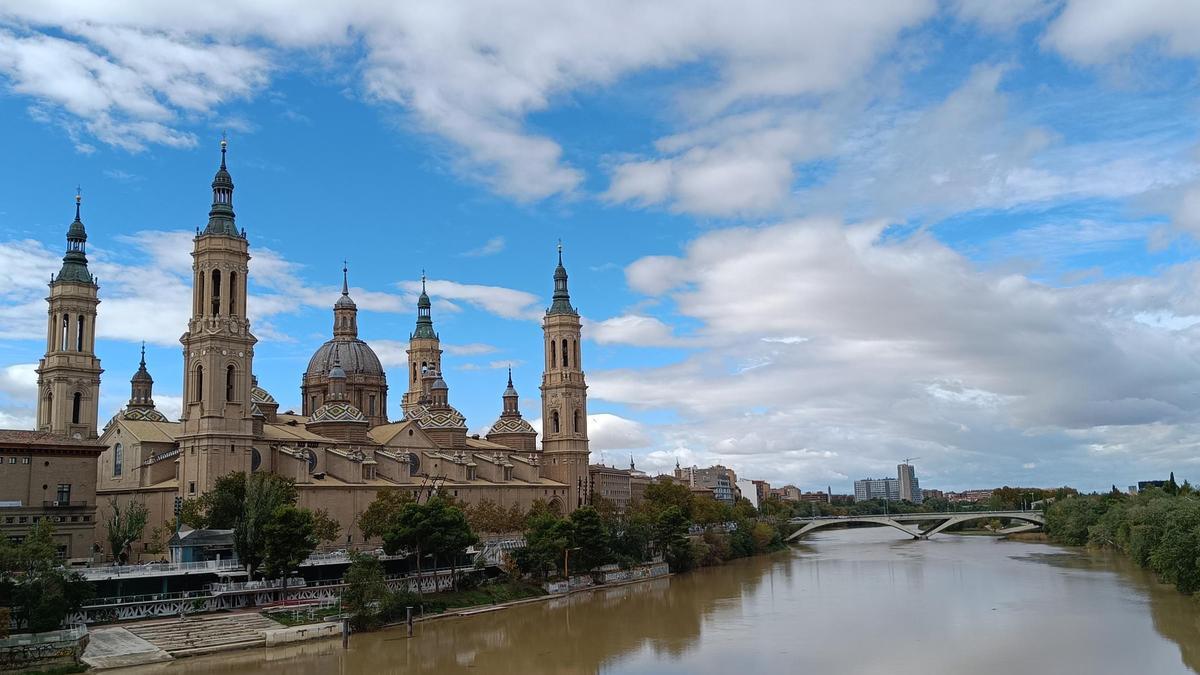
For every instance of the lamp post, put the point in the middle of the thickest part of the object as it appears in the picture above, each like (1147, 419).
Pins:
(566, 563)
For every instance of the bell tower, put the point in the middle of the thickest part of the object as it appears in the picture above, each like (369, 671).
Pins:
(564, 396)
(69, 373)
(218, 350)
(424, 349)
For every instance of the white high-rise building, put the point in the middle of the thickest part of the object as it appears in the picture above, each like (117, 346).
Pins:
(910, 487)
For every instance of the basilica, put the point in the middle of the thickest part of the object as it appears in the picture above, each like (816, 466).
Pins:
(340, 448)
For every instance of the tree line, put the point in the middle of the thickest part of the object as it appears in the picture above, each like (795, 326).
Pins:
(1159, 528)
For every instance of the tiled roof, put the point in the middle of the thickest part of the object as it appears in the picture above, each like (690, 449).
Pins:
(25, 438)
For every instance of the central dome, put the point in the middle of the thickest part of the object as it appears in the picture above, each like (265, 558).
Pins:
(354, 356)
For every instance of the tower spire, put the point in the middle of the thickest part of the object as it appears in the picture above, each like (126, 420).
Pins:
(562, 297)
(424, 316)
(221, 217)
(345, 278)
(74, 267)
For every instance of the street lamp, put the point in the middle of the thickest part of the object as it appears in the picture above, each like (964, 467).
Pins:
(566, 562)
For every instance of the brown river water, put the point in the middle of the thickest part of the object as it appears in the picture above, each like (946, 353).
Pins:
(855, 601)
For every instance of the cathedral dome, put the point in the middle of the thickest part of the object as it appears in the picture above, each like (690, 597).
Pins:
(355, 357)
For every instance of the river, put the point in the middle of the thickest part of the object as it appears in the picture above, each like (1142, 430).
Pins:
(857, 601)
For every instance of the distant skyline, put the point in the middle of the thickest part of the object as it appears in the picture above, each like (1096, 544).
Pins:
(808, 240)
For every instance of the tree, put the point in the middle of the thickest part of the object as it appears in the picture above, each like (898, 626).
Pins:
(451, 534)
(365, 590)
(125, 526)
(589, 536)
(264, 494)
(377, 518)
(221, 507)
(33, 583)
(546, 537)
(665, 494)
(290, 537)
(325, 527)
(671, 538)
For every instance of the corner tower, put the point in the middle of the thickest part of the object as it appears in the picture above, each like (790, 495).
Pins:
(69, 373)
(424, 349)
(218, 351)
(564, 396)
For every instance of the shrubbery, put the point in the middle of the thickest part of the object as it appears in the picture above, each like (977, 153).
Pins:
(1159, 529)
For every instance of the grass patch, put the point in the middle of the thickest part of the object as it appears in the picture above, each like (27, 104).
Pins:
(57, 670)
(303, 616)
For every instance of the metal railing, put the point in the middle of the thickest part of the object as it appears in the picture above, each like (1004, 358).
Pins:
(159, 568)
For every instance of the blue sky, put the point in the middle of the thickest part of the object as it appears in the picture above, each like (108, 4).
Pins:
(807, 240)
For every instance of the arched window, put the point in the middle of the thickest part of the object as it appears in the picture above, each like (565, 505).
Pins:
(118, 459)
(79, 334)
(200, 293)
(64, 340)
(576, 422)
(49, 409)
(564, 352)
(553, 354)
(199, 384)
(575, 343)
(76, 406)
(216, 292)
(233, 294)
(312, 405)
(230, 373)
(414, 371)
(554, 419)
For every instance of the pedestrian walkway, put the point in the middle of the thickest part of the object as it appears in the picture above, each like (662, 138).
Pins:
(116, 647)
(200, 635)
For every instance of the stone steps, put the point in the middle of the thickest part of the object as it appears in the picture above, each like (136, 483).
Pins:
(202, 635)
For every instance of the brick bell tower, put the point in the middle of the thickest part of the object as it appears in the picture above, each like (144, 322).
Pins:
(424, 349)
(218, 351)
(69, 373)
(564, 396)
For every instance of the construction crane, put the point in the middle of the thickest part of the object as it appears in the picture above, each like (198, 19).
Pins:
(909, 459)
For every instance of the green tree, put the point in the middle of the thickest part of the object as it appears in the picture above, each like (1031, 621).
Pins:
(290, 537)
(590, 537)
(451, 533)
(665, 494)
(34, 584)
(671, 532)
(327, 529)
(219, 508)
(264, 494)
(434, 528)
(125, 526)
(546, 538)
(378, 517)
(365, 592)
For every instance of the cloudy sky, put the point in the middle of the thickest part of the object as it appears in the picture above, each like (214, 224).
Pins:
(808, 239)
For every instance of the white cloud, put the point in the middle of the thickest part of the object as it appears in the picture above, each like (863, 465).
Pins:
(504, 302)
(1002, 16)
(1098, 31)
(468, 73)
(632, 329)
(835, 351)
(490, 247)
(607, 431)
(19, 381)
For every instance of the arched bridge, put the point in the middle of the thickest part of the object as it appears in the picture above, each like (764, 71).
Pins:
(922, 525)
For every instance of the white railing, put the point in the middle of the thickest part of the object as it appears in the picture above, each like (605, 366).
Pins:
(95, 573)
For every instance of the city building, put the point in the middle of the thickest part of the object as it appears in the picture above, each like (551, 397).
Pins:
(50, 473)
(341, 449)
(788, 493)
(887, 489)
(749, 492)
(721, 480)
(969, 496)
(814, 497)
(611, 483)
(933, 494)
(910, 487)
(762, 490)
(1147, 484)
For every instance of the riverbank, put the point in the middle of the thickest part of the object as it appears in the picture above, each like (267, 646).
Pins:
(988, 606)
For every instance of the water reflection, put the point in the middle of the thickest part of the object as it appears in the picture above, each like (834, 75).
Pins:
(857, 601)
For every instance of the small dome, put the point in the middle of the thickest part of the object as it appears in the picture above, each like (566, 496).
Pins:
(511, 425)
(344, 302)
(446, 418)
(338, 411)
(143, 415)
(260, 395)
(355, 357)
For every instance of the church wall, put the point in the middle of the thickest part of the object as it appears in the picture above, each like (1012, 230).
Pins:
(160, 502)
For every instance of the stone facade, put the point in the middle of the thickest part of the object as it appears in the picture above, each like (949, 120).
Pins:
(339, 454)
